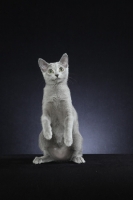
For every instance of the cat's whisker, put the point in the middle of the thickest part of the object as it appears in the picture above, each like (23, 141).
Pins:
(72, 79)
(69, 80)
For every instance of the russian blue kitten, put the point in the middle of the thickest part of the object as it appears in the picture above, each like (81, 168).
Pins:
(60, 139)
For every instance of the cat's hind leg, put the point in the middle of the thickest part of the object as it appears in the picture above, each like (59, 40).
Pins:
(77, 146)
(43, 144)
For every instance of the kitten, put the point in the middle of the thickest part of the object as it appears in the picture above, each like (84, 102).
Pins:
(60, 139)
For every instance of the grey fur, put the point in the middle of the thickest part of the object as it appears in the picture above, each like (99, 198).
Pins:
(60, 139)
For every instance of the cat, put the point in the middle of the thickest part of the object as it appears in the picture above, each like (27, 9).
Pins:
(60, 139)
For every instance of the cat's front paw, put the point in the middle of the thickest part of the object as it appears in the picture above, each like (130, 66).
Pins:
(47, 134)
(68, 141)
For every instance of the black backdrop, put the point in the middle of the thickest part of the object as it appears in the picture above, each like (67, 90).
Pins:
(98, 38)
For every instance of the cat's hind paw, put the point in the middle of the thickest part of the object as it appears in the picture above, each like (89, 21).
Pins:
(38, 160)
(78, 160)
(42, 159)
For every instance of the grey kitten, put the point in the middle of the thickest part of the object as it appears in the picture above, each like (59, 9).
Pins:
(60, 139)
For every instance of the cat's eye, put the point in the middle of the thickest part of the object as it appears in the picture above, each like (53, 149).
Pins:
(61, 69)
(50, 71)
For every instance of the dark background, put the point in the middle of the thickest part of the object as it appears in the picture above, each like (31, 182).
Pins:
(98, 38)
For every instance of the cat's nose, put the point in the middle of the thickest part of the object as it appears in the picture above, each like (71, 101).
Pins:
(57, 75)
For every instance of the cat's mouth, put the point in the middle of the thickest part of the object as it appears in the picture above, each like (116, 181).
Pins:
(57, 78)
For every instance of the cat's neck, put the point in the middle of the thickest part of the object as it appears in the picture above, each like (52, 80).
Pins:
(60, 90)
(56, 84)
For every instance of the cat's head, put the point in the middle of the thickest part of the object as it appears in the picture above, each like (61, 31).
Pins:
(55, 72)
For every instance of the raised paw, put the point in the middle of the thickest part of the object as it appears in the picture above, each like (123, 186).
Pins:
(47, 134)
(78, 160)
(68, 141)
(38, 160)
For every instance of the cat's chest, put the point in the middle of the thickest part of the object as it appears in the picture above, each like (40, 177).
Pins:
(56, 101)
(57, 110)
(57, 97)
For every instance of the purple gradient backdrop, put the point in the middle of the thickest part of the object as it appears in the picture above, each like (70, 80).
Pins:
(98, 38)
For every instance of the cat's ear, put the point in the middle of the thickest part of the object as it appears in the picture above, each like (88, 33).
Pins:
(64, 60)
(43, 64)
